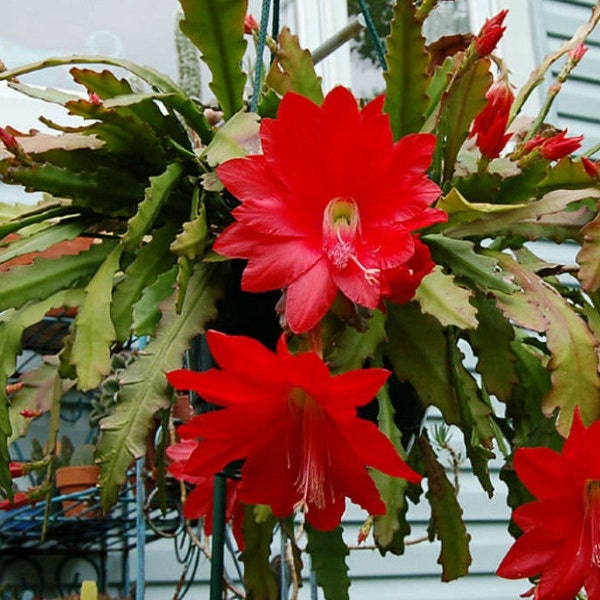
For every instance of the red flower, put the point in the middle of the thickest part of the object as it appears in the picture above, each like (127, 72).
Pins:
(199, 502)
(561, 539)
(330, 205)
(20, 499)
(296, 427)
(490, 34)
(490, 124)
(556, 147)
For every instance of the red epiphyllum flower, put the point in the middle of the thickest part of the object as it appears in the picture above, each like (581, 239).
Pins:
(490, 34)
(296, 427)
(199, 502)
(331, 205)
(561, 539)
(490, 124)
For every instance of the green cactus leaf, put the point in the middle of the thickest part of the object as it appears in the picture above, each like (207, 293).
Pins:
(93, 328)
(180, 101)
(460, 105)
(36, 394)
(184, 105)
(236, 138)
(191, 241)
(293, 69)
(217, 30)
(566, 174)
(328, 552)
(461, 257)
(349, 349)
(259, 577)
(446, 513)
(146, 312)
(406, 78)
(144, 385)
(418, 351)
(107, 190)
(571, 342)
(43, 238)
(439, 295)
(147, 74)
(45, 277)
(492, 343)
(46, 94)
(122, 134)
(107, 86)
(588, 257)
(540, 215)
(12, 324)
(152, 259)
(390, 529)
(155, 196)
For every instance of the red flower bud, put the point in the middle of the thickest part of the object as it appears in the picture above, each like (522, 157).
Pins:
(8, 140)
(20, 499)
(30, 414)
(250, 25)
(16, 469)
(94, 98)
(490, 124)
(555, 147)
(577, 53)
(490, 34)
(591, 167)
(558, 146)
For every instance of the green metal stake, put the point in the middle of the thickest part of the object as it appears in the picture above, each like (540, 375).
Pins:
(218, 538)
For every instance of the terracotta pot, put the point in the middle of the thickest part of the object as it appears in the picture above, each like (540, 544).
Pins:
(77, 479)
(182, 410)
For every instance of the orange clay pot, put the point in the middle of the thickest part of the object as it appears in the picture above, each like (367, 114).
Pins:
(77, 479)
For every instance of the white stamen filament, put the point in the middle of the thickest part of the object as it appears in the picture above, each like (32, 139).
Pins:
(311, 479)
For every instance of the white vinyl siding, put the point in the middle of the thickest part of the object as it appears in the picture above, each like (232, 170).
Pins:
(578, 104)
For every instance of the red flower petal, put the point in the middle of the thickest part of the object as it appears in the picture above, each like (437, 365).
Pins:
(539, 469)
(309, 297)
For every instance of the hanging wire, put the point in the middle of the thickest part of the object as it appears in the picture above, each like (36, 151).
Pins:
(276, 15)
(379, 47)
(262, 41)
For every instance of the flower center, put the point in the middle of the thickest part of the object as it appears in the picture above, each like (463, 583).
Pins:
(310, 482)
(341, 232)
(591, 502)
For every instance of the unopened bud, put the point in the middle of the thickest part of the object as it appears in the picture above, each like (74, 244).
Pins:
(490, 34)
